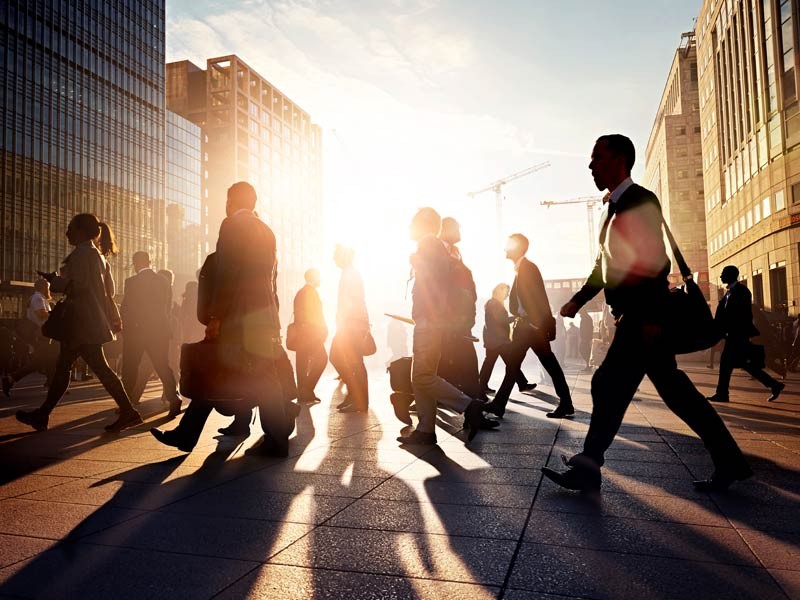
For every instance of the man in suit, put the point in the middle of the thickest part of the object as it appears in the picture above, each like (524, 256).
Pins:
(311, 358)
(145, 315)
(243, 319)
(534, 329)
(734, 321)
(430, 311)
(632, 268)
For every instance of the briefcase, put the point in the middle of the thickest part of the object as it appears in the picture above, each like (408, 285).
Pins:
(210, 371)
(400, 375)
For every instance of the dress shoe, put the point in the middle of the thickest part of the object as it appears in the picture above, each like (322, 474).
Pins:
(418, 438)
(488, 390)
(34, 418)
(495, 408)
(352, 408)
(528, 387)
(718, 398)
(175, 407)
(269, 448)
(128, 418)
(474, 420)
(344, 403)
(776, 391)
(169, 438)
(401, 403)
(722, 480)
(583, 474)
(561, 411)
(8, 383)
(235, 429)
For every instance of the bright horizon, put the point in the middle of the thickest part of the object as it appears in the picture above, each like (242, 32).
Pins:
(422, 101)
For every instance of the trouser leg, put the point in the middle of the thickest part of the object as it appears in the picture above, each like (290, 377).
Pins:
(726, 362)
(762, 377)
(488, 366)
(271, 406)
(550, 363)
(94, 357)
(61, 377)
(318, 360)
(132, 352)
(193, 420)
(158, 351)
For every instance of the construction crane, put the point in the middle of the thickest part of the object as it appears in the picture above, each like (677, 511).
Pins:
(590, 202)
(497, 188)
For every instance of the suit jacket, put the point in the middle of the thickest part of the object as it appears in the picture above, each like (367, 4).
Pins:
(734, 316)
(87, 282)
(146, 306)
(243, 286)
(528, 296)
(497, 328)
(632, 265)
(308, 311)
(429, 295)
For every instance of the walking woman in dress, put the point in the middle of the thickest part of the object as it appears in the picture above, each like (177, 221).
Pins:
(90, 320)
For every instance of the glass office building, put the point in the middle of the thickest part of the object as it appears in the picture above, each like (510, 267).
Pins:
(184, 252)
(82, 107)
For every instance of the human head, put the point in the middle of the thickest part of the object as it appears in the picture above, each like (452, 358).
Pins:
(500, 292)
(190, 291)
(613, 158)
(516, 246)
(343, 256)
(312, 277)
(729, 275)
(168, 275)
(42, 286)
(141, 260)
(241, 195)
(426, 221)
(451, 231)
(86, 226)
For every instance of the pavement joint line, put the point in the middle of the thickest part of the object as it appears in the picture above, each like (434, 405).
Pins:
(428, 533)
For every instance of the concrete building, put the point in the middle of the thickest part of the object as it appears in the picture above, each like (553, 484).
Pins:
(674, 161)
(82, 107)
(183, 195)
(750, 123)
(254, 132)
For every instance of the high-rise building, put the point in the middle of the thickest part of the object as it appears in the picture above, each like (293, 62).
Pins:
(255, 133)
(183, 197)
(82, 107)
(674, 161)
(747, 54)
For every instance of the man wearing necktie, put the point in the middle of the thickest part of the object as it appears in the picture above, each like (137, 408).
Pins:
(534, 329)
(632, 269)
(734, 320)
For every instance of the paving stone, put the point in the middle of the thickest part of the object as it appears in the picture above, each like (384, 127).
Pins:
(223, 537)
(31, 483)
(789, 581)
(87, 571)
(422, 471)
(293, 508)
(511, 496)
(308, 483)
(450, 558)
(14, 548)
(637, 536)
(300, 583)
(56, 520)
(776, 550)
(585, 573)
(450, 519)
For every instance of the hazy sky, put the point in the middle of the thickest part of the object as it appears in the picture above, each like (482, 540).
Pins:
(422, 101)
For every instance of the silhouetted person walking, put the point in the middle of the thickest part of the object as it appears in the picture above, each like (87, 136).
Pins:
(310, 358)
(734, 321)
(352, 328)
(146, 321)
(430, 311)
(632, 268)
(91, 320)
(244, 323)
(534, 329)
(497, 339)
(586, 335)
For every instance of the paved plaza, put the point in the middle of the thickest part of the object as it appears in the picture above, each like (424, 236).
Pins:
(351, 515)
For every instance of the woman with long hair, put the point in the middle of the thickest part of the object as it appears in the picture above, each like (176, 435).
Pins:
(91, 320)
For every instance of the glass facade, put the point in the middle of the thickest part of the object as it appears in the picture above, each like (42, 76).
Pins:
(183, 172)
(82, 106)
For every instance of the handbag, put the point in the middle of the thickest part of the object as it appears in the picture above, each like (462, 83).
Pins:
(690, 324)
(294, 336)
(400, 375)
(368, 346)
(60, 321)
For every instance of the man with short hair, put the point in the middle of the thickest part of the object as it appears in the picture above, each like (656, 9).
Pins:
(734, 321)
(534, 329)
(632, 268)
(430, 311)
(145, 313)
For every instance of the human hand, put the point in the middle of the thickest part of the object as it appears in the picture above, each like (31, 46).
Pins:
(570, 309)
